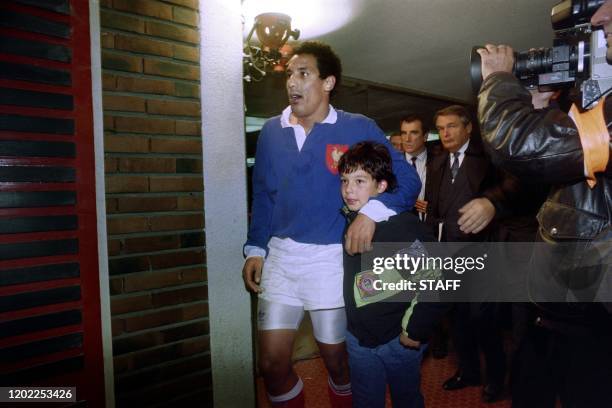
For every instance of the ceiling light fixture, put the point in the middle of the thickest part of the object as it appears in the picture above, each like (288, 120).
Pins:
(273, 31)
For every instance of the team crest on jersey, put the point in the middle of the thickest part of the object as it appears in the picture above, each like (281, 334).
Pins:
(364, 281)
(333, 154)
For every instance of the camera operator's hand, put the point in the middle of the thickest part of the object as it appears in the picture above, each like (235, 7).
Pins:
(540, 100)
(496, 58)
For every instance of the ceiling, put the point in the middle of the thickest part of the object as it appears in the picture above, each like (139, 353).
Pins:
(403, 56)
(424, 45)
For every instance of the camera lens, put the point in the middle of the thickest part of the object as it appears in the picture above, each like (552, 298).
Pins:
(533, 62)
(546, 68)
(563, 65)
(475, 70)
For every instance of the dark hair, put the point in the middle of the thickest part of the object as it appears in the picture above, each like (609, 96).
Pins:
(328, 62)
(395, 133)
(373, 158)
(413, 117)
(458, 110)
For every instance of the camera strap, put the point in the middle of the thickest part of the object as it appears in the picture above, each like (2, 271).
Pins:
(594, 138)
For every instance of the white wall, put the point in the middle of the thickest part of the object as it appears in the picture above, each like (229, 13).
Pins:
(98, 128)
(225, 202)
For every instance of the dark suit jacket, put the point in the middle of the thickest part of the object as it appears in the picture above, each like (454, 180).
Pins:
(434, 149)
(482, 178)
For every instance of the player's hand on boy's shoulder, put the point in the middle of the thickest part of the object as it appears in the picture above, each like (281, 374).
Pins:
(251, 273)
(359, 235)
(408, 342)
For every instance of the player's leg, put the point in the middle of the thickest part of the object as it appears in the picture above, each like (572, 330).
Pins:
(278, 325)
(329, 329)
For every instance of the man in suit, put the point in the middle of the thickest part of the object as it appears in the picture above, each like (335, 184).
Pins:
(414, 136)
(420, 155)
(463, 194)
(462, 189)
(396, 141)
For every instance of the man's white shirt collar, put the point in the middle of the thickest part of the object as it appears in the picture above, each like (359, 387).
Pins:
(420, 156)
(463, 148)
(298, 130)
(461, 152)
(332, 117)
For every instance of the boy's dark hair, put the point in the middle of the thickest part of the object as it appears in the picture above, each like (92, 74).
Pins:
(413, 117)
(373, 158)
(328, 62)
(457, 110)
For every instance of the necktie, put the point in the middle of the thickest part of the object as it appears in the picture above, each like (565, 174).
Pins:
(455, 166)
(413, 159)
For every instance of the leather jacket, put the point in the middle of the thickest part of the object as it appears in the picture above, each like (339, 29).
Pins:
(543, 146)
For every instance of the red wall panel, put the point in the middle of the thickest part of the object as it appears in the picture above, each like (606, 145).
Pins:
(50, 332)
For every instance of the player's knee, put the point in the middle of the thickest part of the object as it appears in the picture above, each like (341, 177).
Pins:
(273, 366)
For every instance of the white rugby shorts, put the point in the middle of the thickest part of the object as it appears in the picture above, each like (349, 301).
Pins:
(306, 275)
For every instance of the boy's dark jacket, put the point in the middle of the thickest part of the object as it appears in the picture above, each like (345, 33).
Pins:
(378, 323)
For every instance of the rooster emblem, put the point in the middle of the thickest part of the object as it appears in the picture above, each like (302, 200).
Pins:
(332, 156)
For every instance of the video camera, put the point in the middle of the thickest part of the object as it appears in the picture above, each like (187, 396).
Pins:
(577, 58)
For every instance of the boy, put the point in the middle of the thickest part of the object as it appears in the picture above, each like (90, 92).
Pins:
(381, 351)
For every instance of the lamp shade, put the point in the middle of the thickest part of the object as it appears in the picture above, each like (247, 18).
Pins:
(274, 29)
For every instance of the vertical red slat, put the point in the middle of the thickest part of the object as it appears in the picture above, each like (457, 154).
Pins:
(93, 382)
(90, 380)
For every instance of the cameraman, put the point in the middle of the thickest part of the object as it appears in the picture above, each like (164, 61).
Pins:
(567, 351)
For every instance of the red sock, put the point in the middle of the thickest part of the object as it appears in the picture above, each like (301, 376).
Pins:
(339, 396)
